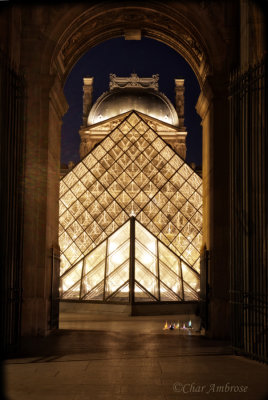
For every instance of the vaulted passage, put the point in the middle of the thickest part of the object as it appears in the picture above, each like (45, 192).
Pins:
(131, 173)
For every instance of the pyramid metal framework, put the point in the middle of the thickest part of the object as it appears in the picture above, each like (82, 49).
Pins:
(132, 172)
(130, 266)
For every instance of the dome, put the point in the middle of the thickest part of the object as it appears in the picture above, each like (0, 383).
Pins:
(148, 101)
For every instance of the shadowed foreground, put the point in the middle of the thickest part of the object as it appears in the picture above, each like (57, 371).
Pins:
(131, 362)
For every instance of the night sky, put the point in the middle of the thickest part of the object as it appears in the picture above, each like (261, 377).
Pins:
(122, 57)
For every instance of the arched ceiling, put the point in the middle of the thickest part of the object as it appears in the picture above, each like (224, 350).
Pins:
(154, 20)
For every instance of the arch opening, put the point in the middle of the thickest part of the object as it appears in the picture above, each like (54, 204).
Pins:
(185, 42)
(158, 22)
(71, 248)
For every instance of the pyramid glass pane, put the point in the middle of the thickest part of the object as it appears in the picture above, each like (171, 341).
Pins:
(169, 259)
(93, 278)
(118, 257)
(189, 293)
(121, 295)
(94, 258)
(73, 293)
(70, 281)
(171, 280)
(167, 294)
(118, 277)
(145, 257)
(141, 295)
(119, 237)
(95, 294)
(132, 172)
(145, 278)
(190, 277)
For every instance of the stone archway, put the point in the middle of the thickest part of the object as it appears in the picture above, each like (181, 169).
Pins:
(65, 33)
(155, 22)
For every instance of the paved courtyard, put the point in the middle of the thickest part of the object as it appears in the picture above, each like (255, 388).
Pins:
(131, 358)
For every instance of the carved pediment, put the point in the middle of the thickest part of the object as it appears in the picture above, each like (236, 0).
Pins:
(133, 81)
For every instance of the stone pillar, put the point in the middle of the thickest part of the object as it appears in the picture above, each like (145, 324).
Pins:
(57, 108)
(212, 106)
(180, 147)
(179, 101)
(252, 32)
(87, 98)
(85, 144)
(45, 107)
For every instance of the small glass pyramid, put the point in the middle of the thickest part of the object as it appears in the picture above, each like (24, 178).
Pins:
(130, 259)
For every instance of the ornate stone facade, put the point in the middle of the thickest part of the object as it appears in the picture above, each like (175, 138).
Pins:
(140, 94)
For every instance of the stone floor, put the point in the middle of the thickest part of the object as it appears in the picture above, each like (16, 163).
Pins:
(130, 358)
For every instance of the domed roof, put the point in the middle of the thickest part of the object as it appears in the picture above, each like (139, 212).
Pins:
(120, 100)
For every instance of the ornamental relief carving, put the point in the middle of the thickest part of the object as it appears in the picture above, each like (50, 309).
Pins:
(70, 42)
(133, 81)
(193, 44)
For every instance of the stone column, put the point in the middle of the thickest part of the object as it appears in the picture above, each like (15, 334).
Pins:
(87, 98)
(252, 33)
(212, 106)
(179, 101)
(85, 144)
(45, 107)
(57, 108)
(180, 147)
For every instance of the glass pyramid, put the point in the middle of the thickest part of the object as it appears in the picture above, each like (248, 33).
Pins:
(132, 172)
(127, 262)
